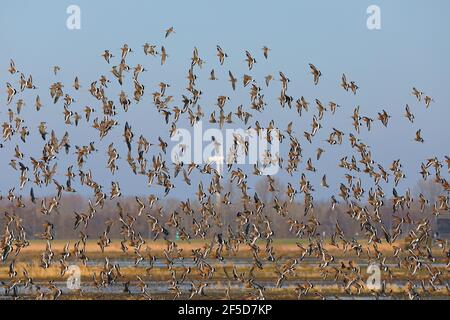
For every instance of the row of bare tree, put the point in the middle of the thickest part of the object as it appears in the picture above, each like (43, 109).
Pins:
(64, 219)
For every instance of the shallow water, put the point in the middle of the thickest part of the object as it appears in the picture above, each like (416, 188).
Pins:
(213, 287)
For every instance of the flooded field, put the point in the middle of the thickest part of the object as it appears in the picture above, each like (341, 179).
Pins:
(117, 275)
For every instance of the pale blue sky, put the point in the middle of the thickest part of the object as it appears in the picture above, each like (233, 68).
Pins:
(411, 49)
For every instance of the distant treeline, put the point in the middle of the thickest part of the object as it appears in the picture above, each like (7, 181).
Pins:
(64, 218)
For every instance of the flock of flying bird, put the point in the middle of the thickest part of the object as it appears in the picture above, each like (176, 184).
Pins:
(252, 224)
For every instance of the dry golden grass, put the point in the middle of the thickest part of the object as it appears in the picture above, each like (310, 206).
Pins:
(29, 260)
(303, 272)
(282, 247)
